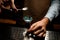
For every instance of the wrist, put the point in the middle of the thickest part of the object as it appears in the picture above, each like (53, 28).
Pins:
(45, 20)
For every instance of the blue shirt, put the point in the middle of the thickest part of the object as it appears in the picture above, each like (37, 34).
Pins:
(53, 10)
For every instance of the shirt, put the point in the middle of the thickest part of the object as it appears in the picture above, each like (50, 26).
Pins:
(53, 10)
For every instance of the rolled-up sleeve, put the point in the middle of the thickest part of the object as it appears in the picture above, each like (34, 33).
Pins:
(53, 10)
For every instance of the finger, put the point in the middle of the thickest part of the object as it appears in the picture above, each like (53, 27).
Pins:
(41, 34)
(44, 35)
(44, 29)
(36, 27)
(32, 26)
(38, 31)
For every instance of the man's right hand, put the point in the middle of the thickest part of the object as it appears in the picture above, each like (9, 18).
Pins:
(39, 28)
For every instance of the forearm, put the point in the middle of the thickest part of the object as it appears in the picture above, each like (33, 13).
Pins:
(13, 5)
(53, 10)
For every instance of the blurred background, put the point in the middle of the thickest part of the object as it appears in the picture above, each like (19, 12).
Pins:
(11, 21)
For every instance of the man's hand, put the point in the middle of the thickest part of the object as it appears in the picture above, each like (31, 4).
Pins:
(39, 28)
(15, 10)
